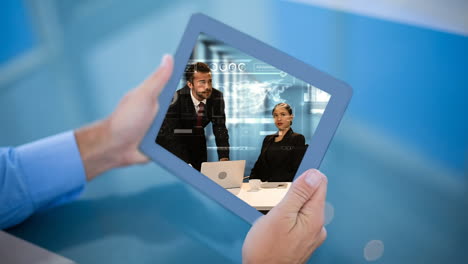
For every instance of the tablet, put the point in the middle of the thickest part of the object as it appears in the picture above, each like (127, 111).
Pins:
(266, 185)
(232, 97)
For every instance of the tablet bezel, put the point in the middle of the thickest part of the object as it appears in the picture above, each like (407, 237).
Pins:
(340, 94)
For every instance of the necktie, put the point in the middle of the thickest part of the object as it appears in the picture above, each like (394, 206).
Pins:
(201, 110)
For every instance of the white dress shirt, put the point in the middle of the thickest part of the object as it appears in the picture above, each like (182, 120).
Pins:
(196, 103)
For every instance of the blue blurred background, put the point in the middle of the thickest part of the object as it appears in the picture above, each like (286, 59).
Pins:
(397, 166)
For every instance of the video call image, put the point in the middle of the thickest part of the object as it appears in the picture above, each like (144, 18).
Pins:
(241, 122)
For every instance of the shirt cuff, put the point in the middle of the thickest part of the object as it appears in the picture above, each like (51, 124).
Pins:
(52, 169)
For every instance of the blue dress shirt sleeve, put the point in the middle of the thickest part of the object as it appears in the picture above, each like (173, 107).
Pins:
(39, 175)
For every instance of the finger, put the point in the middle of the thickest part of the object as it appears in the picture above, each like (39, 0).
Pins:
(301, 191)
(314, 208)
(154, 84)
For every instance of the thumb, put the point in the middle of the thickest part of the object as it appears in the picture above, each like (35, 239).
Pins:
(154, 84)
(301, 191)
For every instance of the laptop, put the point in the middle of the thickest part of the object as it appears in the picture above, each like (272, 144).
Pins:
(228, 174)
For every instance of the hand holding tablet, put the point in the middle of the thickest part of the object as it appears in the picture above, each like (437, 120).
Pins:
(234, 97)
(292, 230)
(258, 94)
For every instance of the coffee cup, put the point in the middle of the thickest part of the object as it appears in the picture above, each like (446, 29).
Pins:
(254, 185)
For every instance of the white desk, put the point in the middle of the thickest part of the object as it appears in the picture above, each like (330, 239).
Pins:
(264, 199)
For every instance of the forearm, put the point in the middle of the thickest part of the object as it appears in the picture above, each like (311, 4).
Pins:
(223, 152)
(39, 175)
(222, 140)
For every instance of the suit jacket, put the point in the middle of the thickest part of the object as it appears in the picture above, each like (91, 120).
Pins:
(179, 133)
(279, 163)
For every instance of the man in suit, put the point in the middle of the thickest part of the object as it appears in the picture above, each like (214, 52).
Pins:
(192, 109)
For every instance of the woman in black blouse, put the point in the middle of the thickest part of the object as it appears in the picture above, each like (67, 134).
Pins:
(281, 152)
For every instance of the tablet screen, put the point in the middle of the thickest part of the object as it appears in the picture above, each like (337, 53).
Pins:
(238, 119)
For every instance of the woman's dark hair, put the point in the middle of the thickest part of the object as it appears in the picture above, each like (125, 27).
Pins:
(195, 67)
(284, 105)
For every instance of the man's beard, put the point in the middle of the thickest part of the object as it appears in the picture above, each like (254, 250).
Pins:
(204, 95)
